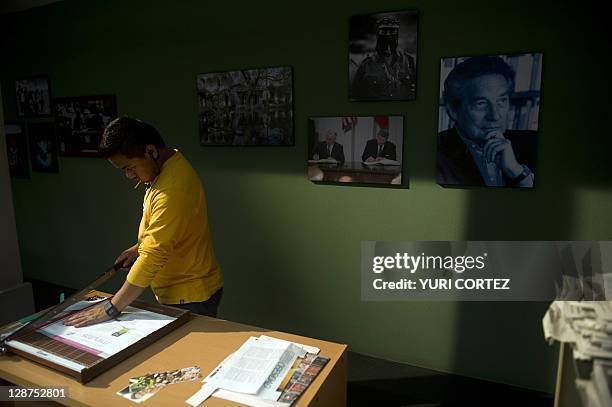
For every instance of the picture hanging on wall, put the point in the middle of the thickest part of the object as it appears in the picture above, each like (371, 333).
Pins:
(33, 97)
(383, 56)
(43, 147)
(17, 150)
(488, 120)
(359, 150)
(80, 122)
(249, 107)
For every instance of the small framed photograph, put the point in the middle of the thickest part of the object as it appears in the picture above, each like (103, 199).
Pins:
(248, 107)
(33, 97)
(488, 120)
(43, 147)
(383, 56)
(80, 122)
(17, 150)
(364, 150)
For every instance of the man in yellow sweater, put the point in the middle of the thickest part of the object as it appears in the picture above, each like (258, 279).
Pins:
(174, 254)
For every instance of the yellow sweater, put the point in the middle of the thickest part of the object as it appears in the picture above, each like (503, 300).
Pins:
(176, 256)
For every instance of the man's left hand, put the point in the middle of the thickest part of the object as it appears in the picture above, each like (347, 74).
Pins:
(90, 316)
(499, 150)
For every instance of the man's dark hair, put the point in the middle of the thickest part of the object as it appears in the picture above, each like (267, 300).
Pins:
(383, 133)
(473, 68)
(129, 137)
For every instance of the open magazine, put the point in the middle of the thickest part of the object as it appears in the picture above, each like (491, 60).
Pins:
(263, 384)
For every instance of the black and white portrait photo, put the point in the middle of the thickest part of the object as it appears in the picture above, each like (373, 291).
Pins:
(383, 56)
(250, 107)
(488, 120)
(33, 97)
(80, 122)
(43, 147)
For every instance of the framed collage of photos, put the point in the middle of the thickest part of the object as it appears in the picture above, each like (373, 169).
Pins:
(80, 122)
(249, 107)
(33, 97)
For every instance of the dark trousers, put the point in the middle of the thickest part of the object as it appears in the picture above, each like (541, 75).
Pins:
(208, 307)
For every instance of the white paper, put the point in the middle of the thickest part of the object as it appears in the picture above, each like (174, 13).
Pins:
(324, 161)
(250, 366)
(384, 161)
(201, 395)
(108, 338)
(247, 399)
(267, 394)
(307, 348)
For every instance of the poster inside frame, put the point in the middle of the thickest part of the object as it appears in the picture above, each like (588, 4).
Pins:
(80, 122)
(248, 107)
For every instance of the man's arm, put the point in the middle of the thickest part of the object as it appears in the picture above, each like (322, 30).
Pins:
(96, 314)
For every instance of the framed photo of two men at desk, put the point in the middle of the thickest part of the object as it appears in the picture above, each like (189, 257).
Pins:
(361, 150)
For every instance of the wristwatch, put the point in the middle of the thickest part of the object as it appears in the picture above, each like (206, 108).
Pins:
(111, 310)
(524, 174)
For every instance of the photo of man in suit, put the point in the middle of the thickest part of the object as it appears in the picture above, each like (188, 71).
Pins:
(379, 148)
(329, 148)
(480, 150)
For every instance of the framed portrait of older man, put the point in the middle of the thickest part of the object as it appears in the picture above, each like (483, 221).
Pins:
(383, 56)
(360, 150)
(488, 120)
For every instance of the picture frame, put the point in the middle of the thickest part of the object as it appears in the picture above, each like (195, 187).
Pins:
(508, 86)
(356, 150)
(383, 56)
(33, 97)
(17, 149)
(80, 122)
(248, 107)
(43, 147)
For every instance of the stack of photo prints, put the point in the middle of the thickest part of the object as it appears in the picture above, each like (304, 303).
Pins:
(144, 387)
(487, 130)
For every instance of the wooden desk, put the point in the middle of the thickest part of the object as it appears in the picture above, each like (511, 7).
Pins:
(356, 171)
(202, 341)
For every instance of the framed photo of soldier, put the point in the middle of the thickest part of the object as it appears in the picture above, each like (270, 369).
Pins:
(17, 149)
(80, 122)
(361, 150)
(383, 56)
(43, 147)
(248, 107)
(33, 96)
(488, 120)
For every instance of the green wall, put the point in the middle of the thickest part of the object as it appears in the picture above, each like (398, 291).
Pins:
(290, 249)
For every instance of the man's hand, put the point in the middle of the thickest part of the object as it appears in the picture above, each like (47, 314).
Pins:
(499, 150)
(128, 257)
(93, 315)
(370, 159)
